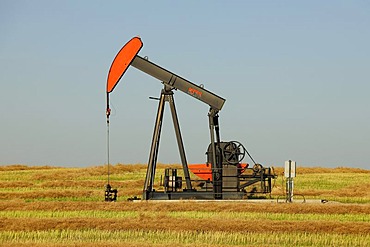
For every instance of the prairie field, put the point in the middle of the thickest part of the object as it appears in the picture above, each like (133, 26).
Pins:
(56, 206)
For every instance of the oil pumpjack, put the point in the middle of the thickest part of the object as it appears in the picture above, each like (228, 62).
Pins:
(224, 176)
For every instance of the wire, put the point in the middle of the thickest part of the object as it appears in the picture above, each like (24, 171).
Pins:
(108, 150)
(107, 113)
(250, 157)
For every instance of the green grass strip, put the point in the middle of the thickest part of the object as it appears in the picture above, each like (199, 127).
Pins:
(187, 214)
(182, 238)
(272, 216)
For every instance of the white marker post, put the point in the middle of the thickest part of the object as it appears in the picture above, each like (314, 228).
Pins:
(290, 167)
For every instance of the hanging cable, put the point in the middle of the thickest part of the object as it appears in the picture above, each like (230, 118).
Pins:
(108, 151)
(110, 194)
(107, 113)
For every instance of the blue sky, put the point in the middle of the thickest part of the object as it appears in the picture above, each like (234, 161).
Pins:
(295, 76)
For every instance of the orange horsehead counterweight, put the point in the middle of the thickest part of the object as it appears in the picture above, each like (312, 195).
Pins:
(120, 64)
(122, 61)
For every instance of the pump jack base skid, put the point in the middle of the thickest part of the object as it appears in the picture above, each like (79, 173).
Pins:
(191, 195)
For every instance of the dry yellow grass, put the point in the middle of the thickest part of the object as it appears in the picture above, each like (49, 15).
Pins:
(153, 216)
(19, 167)
(184, 206)
(163, 222)
(313, 170)
(34, 190)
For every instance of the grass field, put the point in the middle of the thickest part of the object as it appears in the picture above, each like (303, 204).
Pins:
(49, 206)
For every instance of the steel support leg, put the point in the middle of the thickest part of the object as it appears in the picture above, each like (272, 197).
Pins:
(166, 95)
(216, 159)
(152, 163)
(179, 141)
